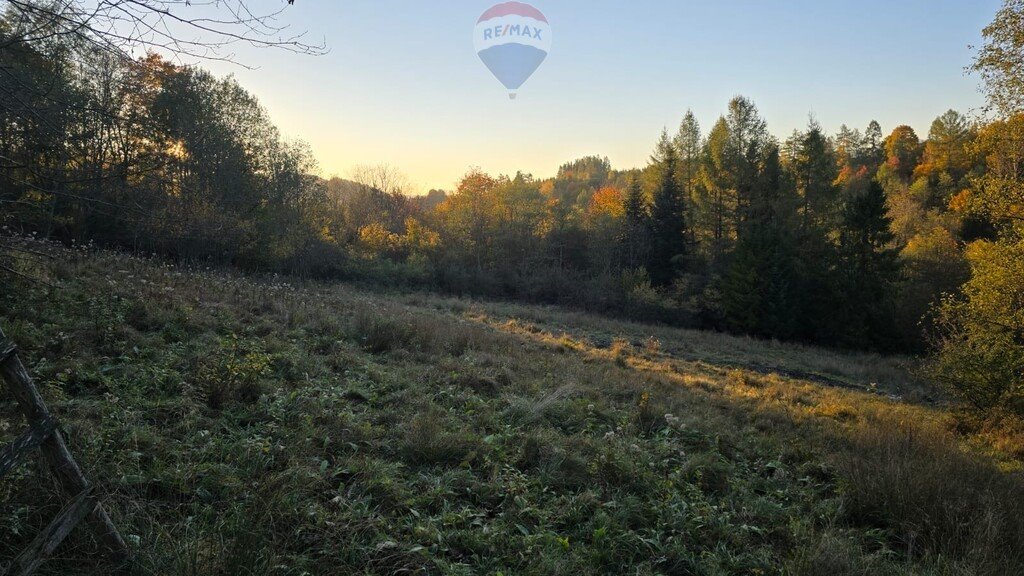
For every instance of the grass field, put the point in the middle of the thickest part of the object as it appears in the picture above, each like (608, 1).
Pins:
(271, 426)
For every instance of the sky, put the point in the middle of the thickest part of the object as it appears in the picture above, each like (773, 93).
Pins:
(403, 85)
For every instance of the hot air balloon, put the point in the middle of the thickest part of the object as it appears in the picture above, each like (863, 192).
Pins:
(512, 39)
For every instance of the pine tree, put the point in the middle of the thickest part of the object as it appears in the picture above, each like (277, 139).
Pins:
(869, 270)
(816, 172)
(688, 146)
(748, 136)
(668, 217)
(759, 288)
(635, 224)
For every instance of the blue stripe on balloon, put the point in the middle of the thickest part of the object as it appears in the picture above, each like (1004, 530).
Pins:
(512, 64)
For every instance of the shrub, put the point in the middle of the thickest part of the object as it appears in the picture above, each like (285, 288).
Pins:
(381, 331)
(232, 373)
(979, 339)
(708, 471)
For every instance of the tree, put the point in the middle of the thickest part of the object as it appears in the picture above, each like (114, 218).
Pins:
(519, 208)
(872, 145)
(868, 271)
(979, 336)
(998, 194)
(1000, 61)
(467, 219)
(760, 287)
(716, 207)
(848, 147)
(946, 159)
(603, 222)
(902, 152)
(815, 172)
(383, 177)
(668, 217)
(633, 238)
(578, 180)
(813, 169)
(199, 29)
(933, 265)
(117, 164)
(748, 135)
(688, 145)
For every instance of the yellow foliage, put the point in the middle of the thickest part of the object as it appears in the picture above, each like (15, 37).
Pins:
(961, 202)
(418, 238)
(376, 238)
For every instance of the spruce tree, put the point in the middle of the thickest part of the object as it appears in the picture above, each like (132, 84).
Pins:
(816, 171)
(759, 287)
(869, 270)
(668, 217)
(635, 225)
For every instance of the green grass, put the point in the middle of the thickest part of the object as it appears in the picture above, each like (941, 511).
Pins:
(256, 426)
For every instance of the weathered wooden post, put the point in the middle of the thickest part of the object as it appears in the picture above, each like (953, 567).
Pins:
(43, 434)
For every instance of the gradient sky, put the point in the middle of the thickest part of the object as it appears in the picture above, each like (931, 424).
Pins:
(403, 85)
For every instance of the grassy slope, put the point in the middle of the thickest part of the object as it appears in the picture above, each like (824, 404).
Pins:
(244, 426)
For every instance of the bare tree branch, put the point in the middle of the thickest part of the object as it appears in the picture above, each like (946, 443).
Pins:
(182, 29)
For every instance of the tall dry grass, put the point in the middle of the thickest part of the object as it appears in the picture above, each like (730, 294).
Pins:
(937, 499)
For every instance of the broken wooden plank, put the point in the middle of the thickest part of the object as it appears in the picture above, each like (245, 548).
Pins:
(69, 476)
(28, 441)
(49, 539)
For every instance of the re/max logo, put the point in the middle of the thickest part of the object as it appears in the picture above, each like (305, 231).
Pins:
(512, 30)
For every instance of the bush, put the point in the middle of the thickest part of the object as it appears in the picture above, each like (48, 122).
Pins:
(234, 373)
(979, 339)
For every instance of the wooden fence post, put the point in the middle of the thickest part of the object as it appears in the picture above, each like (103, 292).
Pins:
(43, 433)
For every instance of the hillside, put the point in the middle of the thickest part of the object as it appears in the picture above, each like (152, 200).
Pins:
(242, 425)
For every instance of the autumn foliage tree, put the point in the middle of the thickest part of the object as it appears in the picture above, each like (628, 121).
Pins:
(980, 334)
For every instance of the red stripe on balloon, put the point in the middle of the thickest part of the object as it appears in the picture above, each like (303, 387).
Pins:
(512, 9)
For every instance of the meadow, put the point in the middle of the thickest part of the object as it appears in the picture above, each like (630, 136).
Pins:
(269, 425)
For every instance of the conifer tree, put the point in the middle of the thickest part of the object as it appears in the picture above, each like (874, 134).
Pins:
(816, 171)
(748, 136)
(716, 211)
(635, 225)
(872, 150)
(668, 217)
(688, 145)
(869, 270)
(759, 288)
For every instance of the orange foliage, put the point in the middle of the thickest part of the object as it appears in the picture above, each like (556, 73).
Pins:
(607, 200)
(961, 202)
(850, 174)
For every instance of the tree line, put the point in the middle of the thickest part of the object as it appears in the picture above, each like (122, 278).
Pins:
(858, 239)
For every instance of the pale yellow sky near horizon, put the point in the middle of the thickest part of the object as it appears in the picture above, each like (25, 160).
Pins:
(402, 84)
